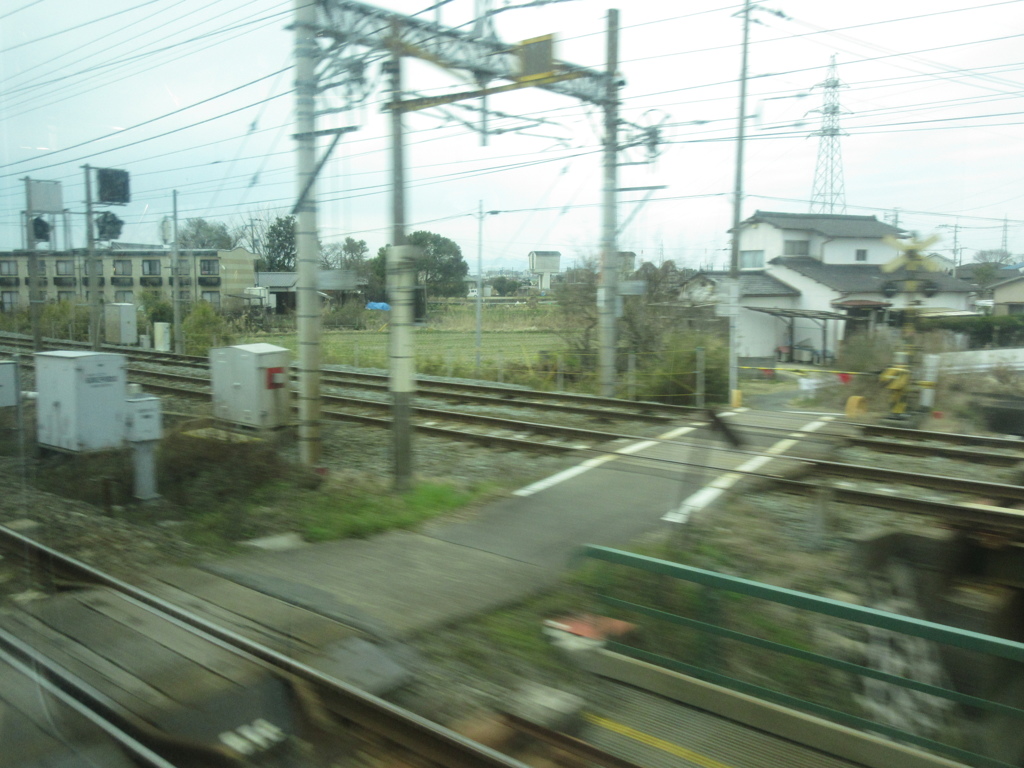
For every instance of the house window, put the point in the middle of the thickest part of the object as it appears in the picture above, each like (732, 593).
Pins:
(68, 296)
(1015, 309)
(862, 254)
(94, 267)
(41, 266)
(213, 297)
(8, 300)
(209, 267)
(151, 266)
(65, 267)
(124, 297)
(751, 259)
(122, 267)
(8, 267)
(797, 247)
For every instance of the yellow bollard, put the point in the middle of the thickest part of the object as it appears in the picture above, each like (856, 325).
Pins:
(736, 398)
(855, 406)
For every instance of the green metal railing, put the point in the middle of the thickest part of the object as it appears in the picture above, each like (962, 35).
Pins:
(711, 608)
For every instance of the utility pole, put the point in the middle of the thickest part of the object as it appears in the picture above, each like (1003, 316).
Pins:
(92, 269)
(34, 299)
(306, 246)
(479, 280)
(480, 277)
(176, 272)
(607, 295)
(402, 371)
(737, 207)
(1006, 242)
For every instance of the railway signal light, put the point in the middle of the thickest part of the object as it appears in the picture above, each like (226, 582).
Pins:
(108, 226)
(40, 229)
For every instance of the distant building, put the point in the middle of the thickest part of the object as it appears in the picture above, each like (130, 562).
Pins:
(805, 278)
(217, 277)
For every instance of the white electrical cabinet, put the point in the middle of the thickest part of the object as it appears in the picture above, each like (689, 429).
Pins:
(162, 337)
(80, 403)
(121, 324)
(250, 384)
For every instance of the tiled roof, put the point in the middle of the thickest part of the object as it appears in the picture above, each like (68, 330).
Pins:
(861, 278)
(755, 283)
(827, 224)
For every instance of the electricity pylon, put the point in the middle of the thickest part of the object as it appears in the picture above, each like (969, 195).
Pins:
(829, 194)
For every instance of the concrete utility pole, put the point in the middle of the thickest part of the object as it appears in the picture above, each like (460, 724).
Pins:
(92, 268)
(176, 272)
(402, 382)
(480, 214)
(34, 299)
(607, 295)
(737, 210)
(306, 246)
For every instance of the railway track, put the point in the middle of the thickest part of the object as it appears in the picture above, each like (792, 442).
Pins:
(976, 503)
(332, 712)
(478, 393)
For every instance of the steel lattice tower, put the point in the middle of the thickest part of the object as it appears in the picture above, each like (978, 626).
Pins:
(829, 194)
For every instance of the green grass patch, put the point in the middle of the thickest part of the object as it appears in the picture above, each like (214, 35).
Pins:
(361, 512)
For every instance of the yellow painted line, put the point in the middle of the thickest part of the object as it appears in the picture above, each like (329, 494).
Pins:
(654, 741)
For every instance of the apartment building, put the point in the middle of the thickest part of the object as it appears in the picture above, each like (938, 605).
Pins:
(217, 277)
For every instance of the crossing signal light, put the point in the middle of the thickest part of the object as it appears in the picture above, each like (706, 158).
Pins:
(113, 186)
(108, 226)
(40, 229)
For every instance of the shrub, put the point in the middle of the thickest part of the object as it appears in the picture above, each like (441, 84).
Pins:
(205, 328)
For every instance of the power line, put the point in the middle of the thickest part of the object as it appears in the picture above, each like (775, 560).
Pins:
(153, 120)
(19, 10)
(124, 62)
(77, 27)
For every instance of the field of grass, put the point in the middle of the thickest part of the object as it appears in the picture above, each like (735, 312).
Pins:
(434, 349)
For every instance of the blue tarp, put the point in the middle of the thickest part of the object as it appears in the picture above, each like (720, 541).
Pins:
(378, 305)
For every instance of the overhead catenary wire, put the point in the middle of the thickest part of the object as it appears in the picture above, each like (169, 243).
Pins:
(792, 135)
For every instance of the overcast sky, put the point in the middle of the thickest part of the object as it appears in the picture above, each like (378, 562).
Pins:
(195, 95)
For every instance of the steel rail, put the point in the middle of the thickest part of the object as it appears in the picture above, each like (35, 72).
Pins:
(1003, 520)
(513, 425)
(924, 449)
(935, 482)
(74, 694)
(884, 430)
(417, 734)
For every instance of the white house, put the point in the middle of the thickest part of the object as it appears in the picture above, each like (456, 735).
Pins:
(806, 277)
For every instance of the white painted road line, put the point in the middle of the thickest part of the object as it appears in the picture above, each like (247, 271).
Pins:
(589, 464)
(713, 490)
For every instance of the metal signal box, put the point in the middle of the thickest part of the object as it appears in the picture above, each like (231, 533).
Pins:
(250, 384)
(143, 419)
(10, 389)
(121, 324)
(80, 405)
